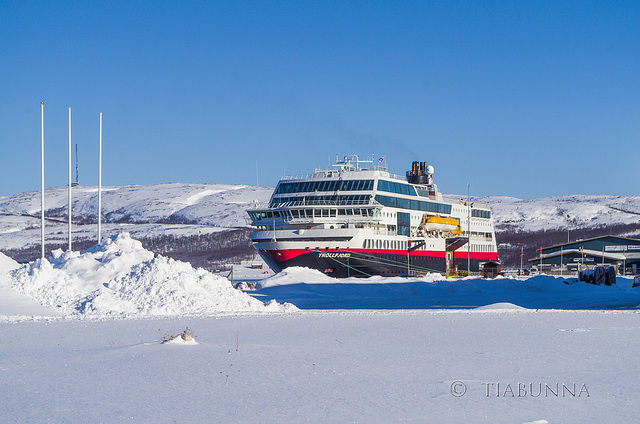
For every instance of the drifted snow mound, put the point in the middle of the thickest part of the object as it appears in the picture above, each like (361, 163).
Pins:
(120, 277)
(6, 263)
(298, 275)
(500, 306)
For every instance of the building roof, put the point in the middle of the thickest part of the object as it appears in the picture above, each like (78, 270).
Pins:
(582, 241)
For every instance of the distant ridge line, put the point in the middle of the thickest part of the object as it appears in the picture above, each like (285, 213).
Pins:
(622, 210)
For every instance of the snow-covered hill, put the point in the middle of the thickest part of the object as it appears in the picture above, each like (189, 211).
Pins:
(143, 211)
(575, 211)
(188, 209)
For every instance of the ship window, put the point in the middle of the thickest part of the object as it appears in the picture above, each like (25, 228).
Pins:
(403, 203)
(332, 213)
(393, 187)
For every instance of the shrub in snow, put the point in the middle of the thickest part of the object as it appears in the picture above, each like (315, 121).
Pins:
(185, 338)
(243, 285)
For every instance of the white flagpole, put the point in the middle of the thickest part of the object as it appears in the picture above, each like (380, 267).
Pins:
(69, 180)
(100, 184)
(42, 178)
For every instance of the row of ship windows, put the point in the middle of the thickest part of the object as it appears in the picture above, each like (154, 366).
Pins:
(403, 218)
(354, 199)
(479, 213)
(481, 248)
(418, 205)
(335, 185)
(348, 185)
(398, 188)
(476, 213)
(391, 244)
(385, 244)
(402, 245)
(311, 213)
(352, 185)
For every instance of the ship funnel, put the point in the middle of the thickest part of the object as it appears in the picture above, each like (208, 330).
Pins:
(419, 173)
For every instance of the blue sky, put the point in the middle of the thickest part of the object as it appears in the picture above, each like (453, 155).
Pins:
(525, 99)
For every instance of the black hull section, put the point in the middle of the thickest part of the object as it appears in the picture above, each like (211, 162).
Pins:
(358, 264)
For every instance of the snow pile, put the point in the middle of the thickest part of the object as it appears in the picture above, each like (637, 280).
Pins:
(500, 306)
(120, 277)
(298, 275)
(7, 264)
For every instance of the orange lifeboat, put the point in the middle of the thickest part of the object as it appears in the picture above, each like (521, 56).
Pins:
(438, 223)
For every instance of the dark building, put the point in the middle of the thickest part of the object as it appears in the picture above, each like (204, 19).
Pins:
(491, 269)
(621, 252)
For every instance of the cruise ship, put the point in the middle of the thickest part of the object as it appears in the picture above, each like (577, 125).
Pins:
(359, 220)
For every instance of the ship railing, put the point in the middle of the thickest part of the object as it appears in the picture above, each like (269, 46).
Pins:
(463, 201)
(321, 174)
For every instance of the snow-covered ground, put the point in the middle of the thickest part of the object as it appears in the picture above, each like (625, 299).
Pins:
(81, 333)
(453, 366)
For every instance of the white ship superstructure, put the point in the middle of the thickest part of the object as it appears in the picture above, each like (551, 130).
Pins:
(357, 219)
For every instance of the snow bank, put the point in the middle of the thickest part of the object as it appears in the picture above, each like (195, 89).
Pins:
(310, 289)
(7, 264)
(297, 275)
(500, 306)
(120, 277)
